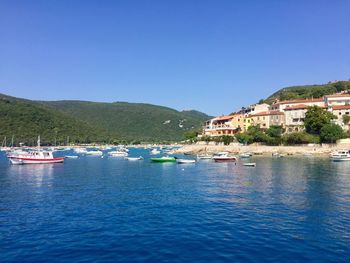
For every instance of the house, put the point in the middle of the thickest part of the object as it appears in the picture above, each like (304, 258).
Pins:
(339, 111)
(267, 118)
(337, 99)
(282, 105)
(219, 126)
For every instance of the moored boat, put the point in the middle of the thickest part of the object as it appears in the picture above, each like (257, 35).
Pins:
(134, 158)
(185, 161)
(163, 159)
(224, 157)
(341, 155)
(37, 156)
(249, 164)
(94, 153)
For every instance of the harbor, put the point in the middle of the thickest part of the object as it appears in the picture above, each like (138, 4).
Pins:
(150, 211)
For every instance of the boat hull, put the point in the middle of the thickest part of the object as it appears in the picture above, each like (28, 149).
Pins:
(223, 160)
(163, 160)
(18, 160)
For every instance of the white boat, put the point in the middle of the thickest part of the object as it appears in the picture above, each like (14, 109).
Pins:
(94, 153)
(37, 156)
(245, 155)
(224, 157)
(80, 150)
(118, 154)
(185, 161)
(71, 156)
(155, 151)
(204, 157)
(341, 155)
(134, 158)
(249, 164)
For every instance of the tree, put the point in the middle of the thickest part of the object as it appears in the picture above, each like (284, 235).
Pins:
(244, 138)
(346, 119)
(316, 118)
(226, 139)
(331, 133)
(275, 131)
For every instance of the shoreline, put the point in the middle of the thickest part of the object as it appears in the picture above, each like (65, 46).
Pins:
(319, 150)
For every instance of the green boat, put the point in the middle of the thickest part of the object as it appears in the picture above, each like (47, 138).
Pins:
(163, 159)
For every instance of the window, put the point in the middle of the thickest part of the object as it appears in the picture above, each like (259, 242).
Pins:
(347, 113)
(339, 113)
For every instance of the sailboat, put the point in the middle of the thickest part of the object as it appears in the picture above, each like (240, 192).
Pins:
(34, 157)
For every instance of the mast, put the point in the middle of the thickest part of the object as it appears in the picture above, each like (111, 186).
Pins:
(12, 141)
(39, 141)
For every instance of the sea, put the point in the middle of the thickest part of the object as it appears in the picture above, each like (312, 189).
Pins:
(93, 209)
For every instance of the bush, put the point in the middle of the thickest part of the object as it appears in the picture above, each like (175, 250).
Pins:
(299, 138)
(330, 133)
(226, 139)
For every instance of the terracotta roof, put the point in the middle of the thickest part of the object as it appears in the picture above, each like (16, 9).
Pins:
(341, 107)
(299, 101)
(267, 113)
(223, 118)
(301, 107)
(338, 95)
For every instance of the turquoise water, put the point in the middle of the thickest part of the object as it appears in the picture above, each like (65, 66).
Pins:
(109, 209)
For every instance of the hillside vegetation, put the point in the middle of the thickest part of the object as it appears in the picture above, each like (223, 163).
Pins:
(87, 122)
(25, 120)
(134, 121)
(309, 91)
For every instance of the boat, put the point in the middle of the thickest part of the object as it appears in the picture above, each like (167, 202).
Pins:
(341, 155)
(163, 159)
(134, 158)
(94, 153)
(204, 157)
(71, 156)
(185, 161)
(224, 157)
(155, 151)
(245, 155)
(37, 156)
(249, 164)
(80, 150)
(118, 154)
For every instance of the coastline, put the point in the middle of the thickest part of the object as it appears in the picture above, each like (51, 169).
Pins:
(255, 149)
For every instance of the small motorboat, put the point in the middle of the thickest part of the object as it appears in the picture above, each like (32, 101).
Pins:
(249, 164)
(155, 151)
(245, 155)
(118, 154)
(341, 155)
(163, 159)
(204, 157)
(71, 156)
(185, 161)
(94, 153)
(224, 157)
(134, 158)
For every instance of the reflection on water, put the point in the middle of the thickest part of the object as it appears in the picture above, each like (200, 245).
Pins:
(35, 174)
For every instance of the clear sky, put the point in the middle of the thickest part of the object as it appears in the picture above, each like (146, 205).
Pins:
(214, 56)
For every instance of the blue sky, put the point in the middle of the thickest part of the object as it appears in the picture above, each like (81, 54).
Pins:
(213, 56)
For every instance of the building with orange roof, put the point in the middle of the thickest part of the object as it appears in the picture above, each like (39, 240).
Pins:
(219, 126)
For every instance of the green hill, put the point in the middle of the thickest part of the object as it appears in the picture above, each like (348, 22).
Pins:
(25, 120)
(92, 121)
(133, 121)
(309, 91)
